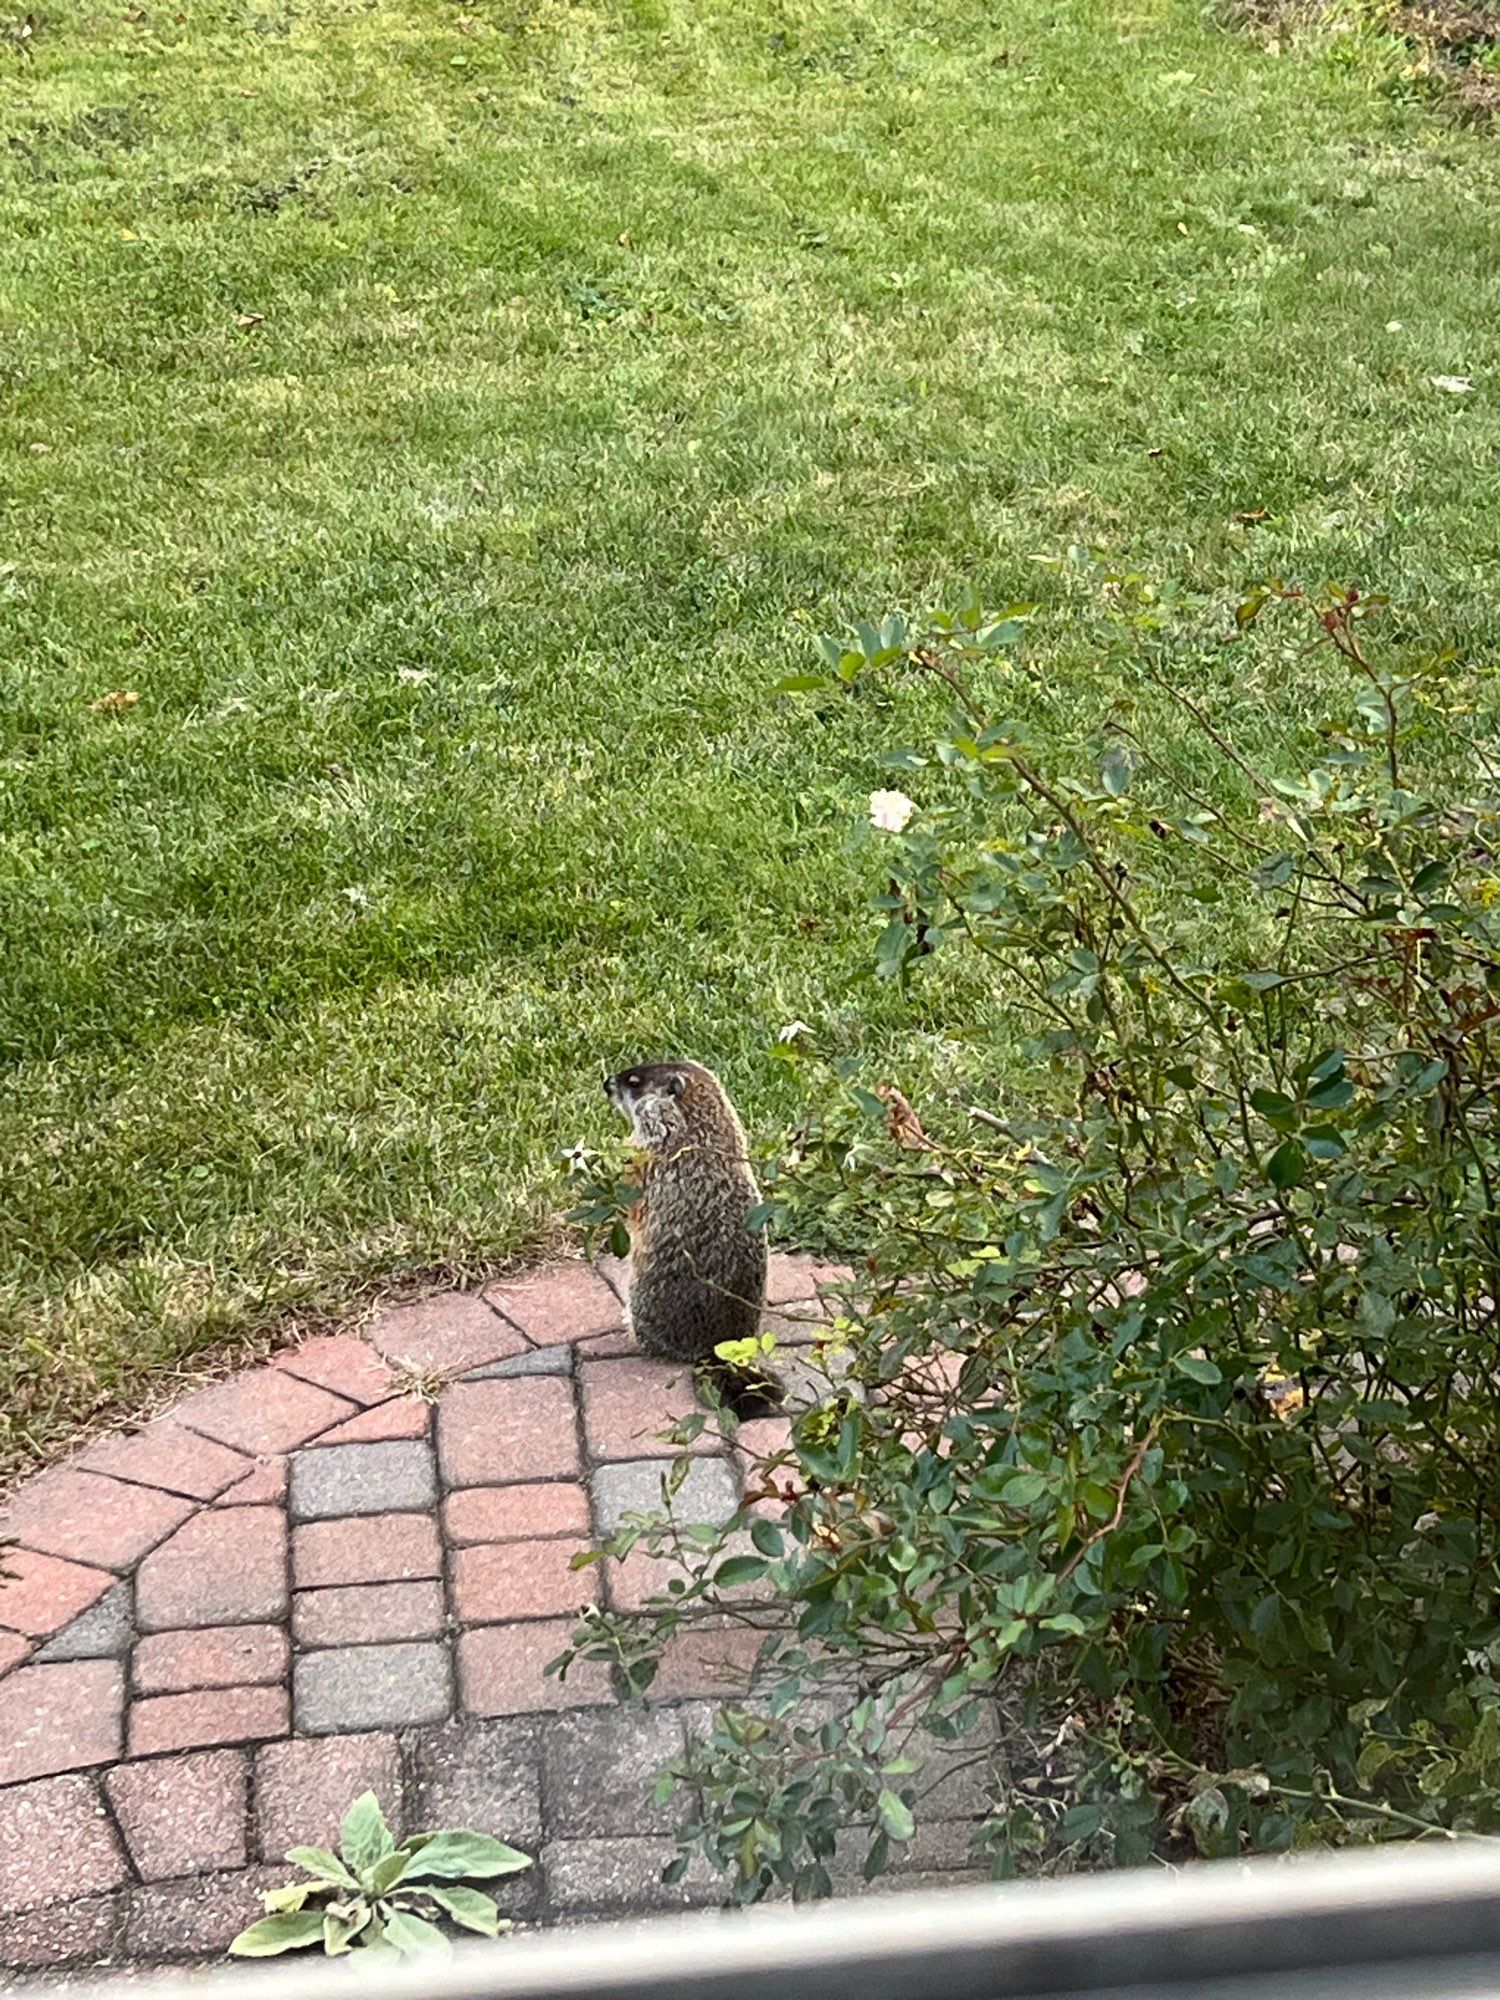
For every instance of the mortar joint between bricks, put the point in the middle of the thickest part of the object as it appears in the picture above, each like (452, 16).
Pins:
(111, 1817)
(506, 1320)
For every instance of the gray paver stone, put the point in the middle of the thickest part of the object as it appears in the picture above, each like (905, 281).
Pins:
(103, 1632)
(372, 1687)
(957, 1780)
(482, 1775)
(599, 1767)
(708, 1494)
(535, 1361)
(389, 1478)
(625, 1875)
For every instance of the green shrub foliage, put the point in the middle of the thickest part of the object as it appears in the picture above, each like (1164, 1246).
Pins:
(1173, 1395)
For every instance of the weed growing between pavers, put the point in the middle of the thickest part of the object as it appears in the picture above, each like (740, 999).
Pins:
(380, 1896)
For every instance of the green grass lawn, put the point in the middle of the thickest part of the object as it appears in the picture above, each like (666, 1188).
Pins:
(451, 426)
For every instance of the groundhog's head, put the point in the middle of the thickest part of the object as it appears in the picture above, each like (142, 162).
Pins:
(652, 1096)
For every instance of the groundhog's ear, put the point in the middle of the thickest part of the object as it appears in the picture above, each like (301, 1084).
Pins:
(676, 1085)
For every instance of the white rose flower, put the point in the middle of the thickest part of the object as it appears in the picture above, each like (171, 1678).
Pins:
(889, 811)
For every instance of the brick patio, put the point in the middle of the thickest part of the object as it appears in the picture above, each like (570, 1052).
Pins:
(306, 1581)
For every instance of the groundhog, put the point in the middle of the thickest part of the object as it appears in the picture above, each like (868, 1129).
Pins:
(697, 1273)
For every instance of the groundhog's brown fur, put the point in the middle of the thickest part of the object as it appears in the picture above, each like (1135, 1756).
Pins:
(697, 1273)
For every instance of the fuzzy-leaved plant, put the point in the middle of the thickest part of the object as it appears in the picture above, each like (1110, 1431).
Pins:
(376, 1895)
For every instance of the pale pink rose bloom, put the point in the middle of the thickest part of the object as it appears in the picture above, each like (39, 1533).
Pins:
(889, 811)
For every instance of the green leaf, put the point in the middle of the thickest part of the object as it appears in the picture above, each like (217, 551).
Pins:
(290, 1930)
(373, 1938)
(1115, 771)
(766, 1536)
(340, 1926)
(471, 1908)
(1198, 1368)
(364, 1838)
(1006, 633)
(1287, 1166)
(318, 1861)
(1436, 1777)
(1022, 1488)
(292, 1897)
(1332, 1095)
(801, 683)
(1081, 1822)
(1274, 872)
(451, 1857)
(739, 1569)
(895, 1815)
(1323, 1142)
(389, 1870)
(411, 1933)
(1065, 1621)
(1272, 1104)
(1266, 1617)
(1373, 1758)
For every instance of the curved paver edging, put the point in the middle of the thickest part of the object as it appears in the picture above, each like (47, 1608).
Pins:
(309, 1580)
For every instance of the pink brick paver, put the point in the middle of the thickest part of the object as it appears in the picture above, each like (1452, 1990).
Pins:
(627, 1404)
(303, 1789)
(55, 1842)
(376, 1548)
(344, 1365)
(263, 1411)
(218, 1715)
(629, 1582)
(515, 1513)
(493, 1432)
(791, 1277)
(445, 1335)
(39, 1593)
(41, 1939)
(715, 1658)
(88, 1518)
(226, 1566)
(60, 1718)
(196, 1918)
(166, 1455)
(264, 1487)
(221, 1656)
(182, 1815)
(508, 1580)
(152, 1773)
(501, 1670)
(401, 1417)
(368, 1614)
(561, 1302)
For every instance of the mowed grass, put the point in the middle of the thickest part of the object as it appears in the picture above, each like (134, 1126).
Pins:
(451, 425)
